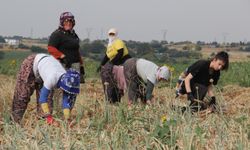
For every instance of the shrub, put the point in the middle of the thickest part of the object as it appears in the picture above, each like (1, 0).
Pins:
(37, 49)
(2, 40)
(22, 46)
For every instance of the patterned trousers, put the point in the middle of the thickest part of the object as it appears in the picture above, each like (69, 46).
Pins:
(26, 84)
(135, 85)
(113, 94)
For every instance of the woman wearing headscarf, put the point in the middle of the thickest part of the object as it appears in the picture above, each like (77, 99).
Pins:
(64, 44)
(43, 73)
(117, 51)
(141, 77)
(111, 67)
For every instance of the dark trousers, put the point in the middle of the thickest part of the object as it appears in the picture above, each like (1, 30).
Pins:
(112, 93)
(199, 92)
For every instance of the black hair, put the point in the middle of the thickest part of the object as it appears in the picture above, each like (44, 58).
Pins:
(222, 55)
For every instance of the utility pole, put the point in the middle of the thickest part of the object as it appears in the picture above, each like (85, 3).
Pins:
(164, 34)
(225, 34)
(245, 41)
(215, 40)
(31, 33)
(89, 30)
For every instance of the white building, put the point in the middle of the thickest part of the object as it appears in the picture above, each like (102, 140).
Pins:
(13, 42)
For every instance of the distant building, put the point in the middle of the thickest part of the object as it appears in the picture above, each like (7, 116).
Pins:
(12, 42)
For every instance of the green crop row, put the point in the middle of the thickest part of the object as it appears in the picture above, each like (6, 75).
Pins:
(238, 72)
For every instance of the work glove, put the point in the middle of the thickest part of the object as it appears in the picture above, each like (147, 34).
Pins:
(98, 69)
(65, 61)
(190, 97)
(82, 73)
(212, 102)
(197, 105)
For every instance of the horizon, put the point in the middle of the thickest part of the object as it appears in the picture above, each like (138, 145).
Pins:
(91, 40)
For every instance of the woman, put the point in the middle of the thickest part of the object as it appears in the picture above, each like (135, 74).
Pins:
(200, 78)
(64, 44)
(113, 81)
(43, 73)
(140, 73)
(111, 67)
(117, 52)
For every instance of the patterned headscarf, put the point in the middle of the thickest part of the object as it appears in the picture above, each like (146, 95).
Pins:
(67, 16)
(70, 82)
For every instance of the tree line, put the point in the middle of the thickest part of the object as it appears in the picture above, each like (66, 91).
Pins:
(160, 51)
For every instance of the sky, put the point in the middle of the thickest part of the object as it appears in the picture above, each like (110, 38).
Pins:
(139, 20)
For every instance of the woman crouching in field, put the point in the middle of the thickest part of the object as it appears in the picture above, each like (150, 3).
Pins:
(43, 73)
(113, 82)
(141, 77)
(200, 78)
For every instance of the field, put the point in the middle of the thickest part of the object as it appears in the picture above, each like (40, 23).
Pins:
(100, 125)
(235, 54)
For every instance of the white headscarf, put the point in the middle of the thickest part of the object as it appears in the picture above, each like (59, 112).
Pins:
(163, 72)
(112, 38)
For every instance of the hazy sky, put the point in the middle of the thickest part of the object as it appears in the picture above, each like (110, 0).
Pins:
(141, 20)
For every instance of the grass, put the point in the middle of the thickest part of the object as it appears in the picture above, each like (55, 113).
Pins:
(11, 62)
(238, 72)
(100, 125)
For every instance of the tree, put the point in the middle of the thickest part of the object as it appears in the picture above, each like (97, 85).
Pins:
(162, 49)
(131, 44)
(22, 46)
(1, 55)
(97, 47)
(155, 44)
(185, 47)
(164, 42)
(17, 37)
(2, 40)
(247, 48)
(86, 41)
(198, 47)
(84, 49)
(143, 48)
(37, 49)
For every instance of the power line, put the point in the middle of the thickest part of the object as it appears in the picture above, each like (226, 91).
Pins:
(89, 30)
(164, 34)
(225, 35)
(31, 33)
